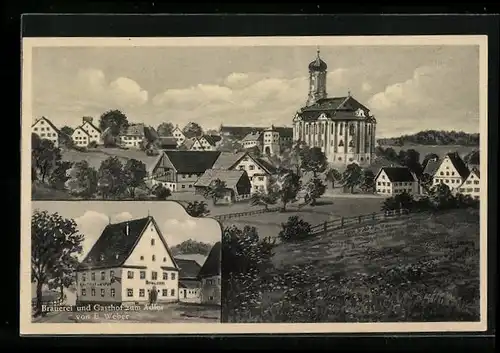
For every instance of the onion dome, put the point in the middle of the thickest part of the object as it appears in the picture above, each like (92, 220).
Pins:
(318, 64)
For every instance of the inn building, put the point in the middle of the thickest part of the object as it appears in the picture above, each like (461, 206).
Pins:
(130, 263)
(342, 127)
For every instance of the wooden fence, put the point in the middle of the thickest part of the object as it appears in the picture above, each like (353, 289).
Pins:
(344, 222)
(223, 217)
(56, 302)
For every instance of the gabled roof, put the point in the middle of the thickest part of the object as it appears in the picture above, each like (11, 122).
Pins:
(189, 284)
(212, 139)
(47, 121)
(114, 246)
(189, 269)
(192, 162)
(397, 174)
(212, 265)
(266, 165)
(91, 124)
(226, 160)
(135, 130)
(476, 172)
(230, 177)
(167, 140)
(252, 136)
(431, 167)
(80, 128)
(188, 143)
(459, 164)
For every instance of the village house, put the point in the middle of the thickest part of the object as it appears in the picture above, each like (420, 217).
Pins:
(129, 263)
(166, 143)
(237, 184)
(396, 180)
(471, 185)
(178, 135)
(179, 170)
(452, 171)
(238, 132)
(189, 283)
(259, 170)
(209, 142)
(80, 137)
(431, 167)
(253, 139)
(210, 277)
(133, 136)
(44, 128)
(92, 131)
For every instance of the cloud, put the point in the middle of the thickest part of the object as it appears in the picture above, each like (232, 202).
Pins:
(91, 224)
(120, 217)
(200, 229)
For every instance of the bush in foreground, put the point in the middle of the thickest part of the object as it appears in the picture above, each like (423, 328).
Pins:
(294, 229)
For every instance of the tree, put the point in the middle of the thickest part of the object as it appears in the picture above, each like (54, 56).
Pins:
(110, 178)
(197, 209)
(333, 175)
(82, 180)
(63, 275)
(55, 241)
(215, 190)
(191, 246)
(59, 176)
(286, 187)
(115, 120)
(441, 197)
(255, 151)
(44, 156)
(296, 155)
(161, 192)
(230, 145)
(263, 199)
(67, 130)
(313, 191)
(367, 180)
(134, 173)
(192, 130)
(472, 158)
(352, 176)
(426, 181)
(313, 160)
(411, 159)
(294, 229)
(165, 129)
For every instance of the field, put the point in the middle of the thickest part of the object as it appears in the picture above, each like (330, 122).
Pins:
(269, 224)
(438, 149)
(423, 268)
(169, 313)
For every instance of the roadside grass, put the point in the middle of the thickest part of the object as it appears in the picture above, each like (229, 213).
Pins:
(424, 269)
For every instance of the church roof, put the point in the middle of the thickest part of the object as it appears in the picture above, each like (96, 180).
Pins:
(335, 108)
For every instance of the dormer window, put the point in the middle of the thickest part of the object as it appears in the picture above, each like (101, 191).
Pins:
(152, 242)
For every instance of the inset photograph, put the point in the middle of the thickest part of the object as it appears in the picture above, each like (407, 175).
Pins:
(123, 262)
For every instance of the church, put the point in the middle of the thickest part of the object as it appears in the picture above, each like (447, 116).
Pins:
(342, 127)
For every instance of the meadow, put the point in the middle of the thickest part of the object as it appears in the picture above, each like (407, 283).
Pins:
(423, 268)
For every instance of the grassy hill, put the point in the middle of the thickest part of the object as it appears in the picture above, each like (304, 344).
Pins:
(425, 268)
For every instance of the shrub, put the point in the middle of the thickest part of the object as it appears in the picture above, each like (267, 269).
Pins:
(294, 229)
(92, 144)
(161, 192)
(197, 209)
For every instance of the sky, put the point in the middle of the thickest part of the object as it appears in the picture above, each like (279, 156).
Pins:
(407, 88)
(175, 224)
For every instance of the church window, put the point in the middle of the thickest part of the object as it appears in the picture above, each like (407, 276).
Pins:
(351, 130)
(340, 158)
(341, 129)
(315, 129)
(331, 129)
(341, 143)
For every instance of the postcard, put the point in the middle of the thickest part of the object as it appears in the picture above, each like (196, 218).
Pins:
(254, 185)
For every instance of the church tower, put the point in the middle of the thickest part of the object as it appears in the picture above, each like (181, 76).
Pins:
(317, 80)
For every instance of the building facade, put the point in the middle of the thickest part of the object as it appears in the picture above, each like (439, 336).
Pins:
(210, 277)
(133, 136)
(44, 128)
(342, 127)
(452, 171)
(189, 284)
(391, 181)
(80, 137)
(129, 263)
(471, 185)
(93, 132)
(178, 135)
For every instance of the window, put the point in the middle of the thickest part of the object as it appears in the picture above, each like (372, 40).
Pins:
(172, 276)
(84, 292)
(183, 186)
(164, 292)
(261, 178)
(154, 276)
(476, 189)
(103, 292)
(251, 167)
(468, 182)
(92, 276)
(441, 173)
(112, 292)
(143, 274)
(164, 259)
(112, 274)
(130, 292)
(447, 173)
(84, 277)
(103, 275)
(142, 257)
(92, 292)
(153, 258)
(165, 275)
(130, 274)
(172, 292)
(152, 242)
(142, 292)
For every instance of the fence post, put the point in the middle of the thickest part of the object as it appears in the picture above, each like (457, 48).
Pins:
(373, 216)
(325, 227)
(359, 219)
(341, 222)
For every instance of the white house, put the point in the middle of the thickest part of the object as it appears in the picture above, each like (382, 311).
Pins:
(259, 170)
(253, 139)
(471, 185)
(179, 135)
(127, 264)
(196, 145)
(210, 277)
(133, 136)
(189, 283)
(209, 142)
(80, 137)
(452, 171)
(44, 128)
(93, 132)
(395, 180)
